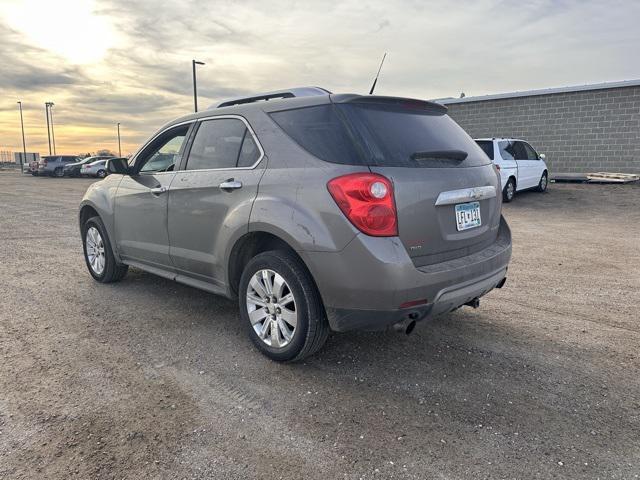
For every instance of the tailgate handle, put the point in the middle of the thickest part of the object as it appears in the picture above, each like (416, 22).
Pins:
(466, 195)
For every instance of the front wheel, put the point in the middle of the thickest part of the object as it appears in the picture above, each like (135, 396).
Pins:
(509, 190)
(281, 307)
(98, 254)
(544, 182)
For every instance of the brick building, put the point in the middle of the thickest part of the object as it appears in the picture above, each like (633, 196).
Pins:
(582, 129)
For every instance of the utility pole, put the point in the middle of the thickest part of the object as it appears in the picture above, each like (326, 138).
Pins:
(24, 145)
(119, 149)
(46, 109)
(195, 89)
(53, 135)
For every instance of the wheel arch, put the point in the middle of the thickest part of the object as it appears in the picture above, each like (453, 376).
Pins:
(248, 246)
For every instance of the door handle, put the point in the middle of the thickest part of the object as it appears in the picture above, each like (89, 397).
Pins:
(158, 190)
(230, 184)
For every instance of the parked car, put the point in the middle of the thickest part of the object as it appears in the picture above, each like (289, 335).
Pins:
(53, 165)
(520, 166)
(95, 169)
(73, 169)
(316, 211)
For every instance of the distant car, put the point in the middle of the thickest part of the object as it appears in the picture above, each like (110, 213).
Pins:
(53, 165)
(520, 166)
(73, 169)
(95, 169)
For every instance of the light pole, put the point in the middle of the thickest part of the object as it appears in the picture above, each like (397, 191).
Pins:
(119, 149)
(46, 110)
(24, 145)
(53, 135)
(195, 90)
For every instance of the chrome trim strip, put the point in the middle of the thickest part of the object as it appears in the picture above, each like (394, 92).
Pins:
(466, 195)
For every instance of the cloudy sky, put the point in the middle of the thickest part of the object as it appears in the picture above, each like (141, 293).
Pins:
(129, 61)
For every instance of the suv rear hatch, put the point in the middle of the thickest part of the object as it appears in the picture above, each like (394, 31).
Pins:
(446, 189)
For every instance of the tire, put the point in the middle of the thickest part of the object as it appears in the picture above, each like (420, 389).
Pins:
(111, 271)
(101, 173)
(543, 183)
(58, 172)
(311, 327)
(509, 191)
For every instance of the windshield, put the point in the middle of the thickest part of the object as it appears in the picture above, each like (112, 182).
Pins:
(381, 134)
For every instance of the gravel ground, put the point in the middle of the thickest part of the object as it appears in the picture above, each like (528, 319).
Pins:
(151, 379)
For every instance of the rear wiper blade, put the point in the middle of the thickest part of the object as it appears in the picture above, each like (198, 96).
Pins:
(455, 155)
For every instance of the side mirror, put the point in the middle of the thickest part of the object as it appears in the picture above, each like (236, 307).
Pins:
(542, 156)
(118, 165)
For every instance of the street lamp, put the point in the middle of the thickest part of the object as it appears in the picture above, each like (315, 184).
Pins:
(195, 90)
(24, 145)
(46, 110)
(119, 149)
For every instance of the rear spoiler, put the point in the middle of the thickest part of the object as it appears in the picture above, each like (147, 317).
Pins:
(408, 103)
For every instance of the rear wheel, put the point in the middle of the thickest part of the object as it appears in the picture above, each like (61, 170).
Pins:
(98, 254)
(101, 173)
(58, 172)
(509, 190)
(544, 182)
(281, 307)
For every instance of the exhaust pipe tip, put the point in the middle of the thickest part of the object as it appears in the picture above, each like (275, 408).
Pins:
(475, 303)
(405, 326)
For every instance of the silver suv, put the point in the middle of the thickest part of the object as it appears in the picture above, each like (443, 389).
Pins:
(53, 165)
(317, 211)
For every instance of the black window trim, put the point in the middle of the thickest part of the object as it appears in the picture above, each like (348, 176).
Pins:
(185, 157)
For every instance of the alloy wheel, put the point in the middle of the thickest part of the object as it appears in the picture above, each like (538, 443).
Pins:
(95, 250)
(272, 308)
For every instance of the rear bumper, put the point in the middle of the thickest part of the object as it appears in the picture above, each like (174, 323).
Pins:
(364, 285)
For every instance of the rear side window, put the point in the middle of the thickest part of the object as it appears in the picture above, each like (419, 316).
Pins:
(380, 134)
(507, 150)
(222, 143)
(487, 147)
(321, 132)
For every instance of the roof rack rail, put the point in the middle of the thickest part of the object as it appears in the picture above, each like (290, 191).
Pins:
(289, 93)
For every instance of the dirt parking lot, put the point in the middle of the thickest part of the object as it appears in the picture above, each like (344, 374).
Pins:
(151, 379)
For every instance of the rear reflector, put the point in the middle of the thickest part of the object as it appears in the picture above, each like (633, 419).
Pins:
(414, 303)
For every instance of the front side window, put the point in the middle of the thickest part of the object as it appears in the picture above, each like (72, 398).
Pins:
(164, 153)
(222, 143)
(530, 152)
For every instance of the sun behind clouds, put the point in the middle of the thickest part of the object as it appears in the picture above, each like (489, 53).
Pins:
(68, 28)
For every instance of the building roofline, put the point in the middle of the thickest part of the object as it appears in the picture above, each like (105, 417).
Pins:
(543, 91)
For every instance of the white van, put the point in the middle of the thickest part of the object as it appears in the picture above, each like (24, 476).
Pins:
(521, 167)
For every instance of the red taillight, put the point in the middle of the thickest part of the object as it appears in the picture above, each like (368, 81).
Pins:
(366, 199)
(44, 162)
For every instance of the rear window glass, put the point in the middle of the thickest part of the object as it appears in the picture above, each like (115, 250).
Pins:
(380, 135)
(487, 147)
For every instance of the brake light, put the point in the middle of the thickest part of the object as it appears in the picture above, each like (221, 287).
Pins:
(44, 162)
(366, 199)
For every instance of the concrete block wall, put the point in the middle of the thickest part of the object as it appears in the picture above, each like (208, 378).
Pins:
(580, 132)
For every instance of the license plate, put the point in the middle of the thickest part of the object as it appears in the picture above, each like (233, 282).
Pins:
(468, 216)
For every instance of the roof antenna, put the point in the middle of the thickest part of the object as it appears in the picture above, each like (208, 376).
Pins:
(373, 87)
